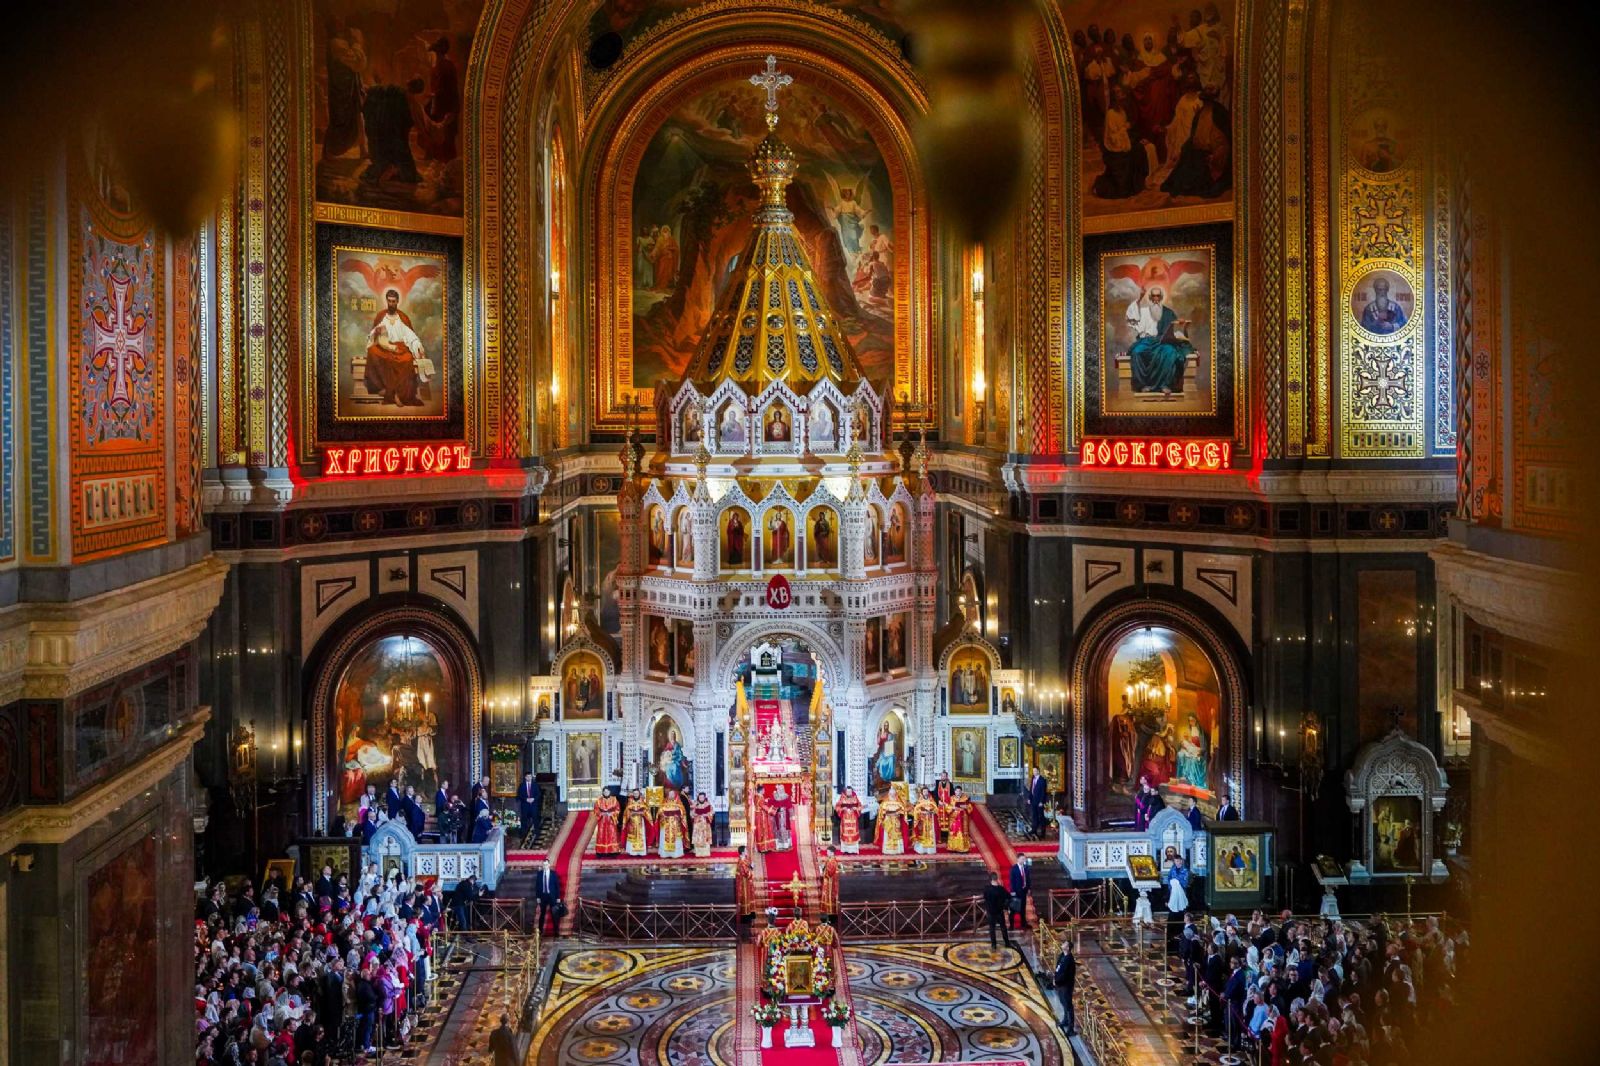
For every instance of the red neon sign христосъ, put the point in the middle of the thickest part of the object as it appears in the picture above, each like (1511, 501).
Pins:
(376, 461)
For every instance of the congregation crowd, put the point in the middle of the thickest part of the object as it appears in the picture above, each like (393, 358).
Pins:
(1325, 992)
(312, 969)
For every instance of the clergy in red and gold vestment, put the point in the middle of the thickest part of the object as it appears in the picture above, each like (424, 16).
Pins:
(830, 884)
(925, 825)
(960, 838)
(700, 835)
(636, 825)
(943, 791)
(848, 808)
(670, 822)
(892, 824)
(762, 824)
(744, 884)
(607, 836)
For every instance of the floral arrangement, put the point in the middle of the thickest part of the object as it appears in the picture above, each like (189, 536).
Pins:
(836, 1013)
(794, 939)
(505, 753)
(766, 1014)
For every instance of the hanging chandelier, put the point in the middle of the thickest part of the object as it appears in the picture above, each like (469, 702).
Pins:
(405, 707)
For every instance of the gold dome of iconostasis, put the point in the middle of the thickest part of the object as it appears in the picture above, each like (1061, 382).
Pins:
(666, 205)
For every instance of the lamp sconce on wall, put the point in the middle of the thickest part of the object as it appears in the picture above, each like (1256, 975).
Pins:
(555, 284)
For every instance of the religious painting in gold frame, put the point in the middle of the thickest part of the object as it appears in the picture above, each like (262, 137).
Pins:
(388, 362)
(1161, 357)
(583, 759)
(505, 774)
(856, 162)
(1054, 767)
(389, 118)
(281, 868)
(1009, 756)
(1157, 97)
(969, 754)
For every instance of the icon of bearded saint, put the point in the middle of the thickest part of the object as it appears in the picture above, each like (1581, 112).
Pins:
(397, 364)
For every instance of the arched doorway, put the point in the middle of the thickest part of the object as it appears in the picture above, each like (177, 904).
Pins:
(1158, 695)
(396, 700)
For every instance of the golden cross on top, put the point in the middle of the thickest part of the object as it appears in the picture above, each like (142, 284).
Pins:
(771, 81)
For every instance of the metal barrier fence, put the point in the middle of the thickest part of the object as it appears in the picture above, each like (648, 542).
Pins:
(910, 919)
(672, 923)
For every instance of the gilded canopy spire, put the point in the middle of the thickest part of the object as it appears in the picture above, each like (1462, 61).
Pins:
(774, 323)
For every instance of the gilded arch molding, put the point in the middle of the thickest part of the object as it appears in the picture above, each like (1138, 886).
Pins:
(523, 51)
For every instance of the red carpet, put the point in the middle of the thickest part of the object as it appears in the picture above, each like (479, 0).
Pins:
(997, 852)
(566, 858)
(779, 868)
(823, 1054)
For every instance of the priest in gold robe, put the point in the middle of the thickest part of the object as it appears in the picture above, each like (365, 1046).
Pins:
(744, 885)
(671, 827)
(892, 824)
(925, 825)
(636, 826)
(830, 885)
(700, 834)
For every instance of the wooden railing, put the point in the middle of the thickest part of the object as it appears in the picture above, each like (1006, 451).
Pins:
(910, 919)
(674, 923)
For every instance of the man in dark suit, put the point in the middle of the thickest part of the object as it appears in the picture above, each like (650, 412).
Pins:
(393, 801)
(1227, 812)
(995, 903)
(1065, 981)
(331, 1009)
(462, 897)
(548, 891)
(441, 800)
(528, 804)
(1021, 885)
(1233, 995)
(1038, 791)
(325, 884)
(503, 1042)
(416, 817)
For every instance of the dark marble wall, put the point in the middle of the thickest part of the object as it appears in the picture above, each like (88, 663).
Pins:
(255, 671)
(79, 990)
(1342, 635)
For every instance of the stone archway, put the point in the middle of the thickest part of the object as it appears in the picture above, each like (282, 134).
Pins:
(730, 650)
(1098, 642)
(445, 638)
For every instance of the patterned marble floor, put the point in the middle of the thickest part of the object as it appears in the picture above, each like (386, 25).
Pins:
(950, 1002)
(916, 1003)
(639, 1007)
